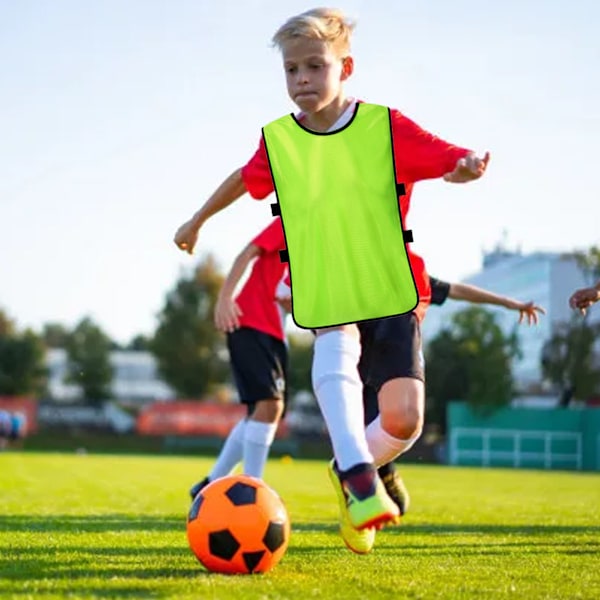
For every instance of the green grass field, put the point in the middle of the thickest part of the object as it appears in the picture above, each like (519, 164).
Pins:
(114, 527)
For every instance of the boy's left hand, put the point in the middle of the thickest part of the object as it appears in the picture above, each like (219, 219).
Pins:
(468, 168)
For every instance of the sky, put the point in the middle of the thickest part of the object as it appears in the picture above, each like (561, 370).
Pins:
(119, 119)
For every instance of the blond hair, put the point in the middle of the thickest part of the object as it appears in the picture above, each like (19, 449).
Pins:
(329, 25)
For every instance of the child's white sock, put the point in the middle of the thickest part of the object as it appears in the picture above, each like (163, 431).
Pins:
(383, 446)
(231, 453)
(338, 389)
(258, 438)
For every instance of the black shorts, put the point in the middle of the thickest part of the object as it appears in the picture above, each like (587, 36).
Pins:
(391, 348)
(370, 403)
(259, 365)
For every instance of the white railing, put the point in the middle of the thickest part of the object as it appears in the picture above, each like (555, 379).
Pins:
(487, 456)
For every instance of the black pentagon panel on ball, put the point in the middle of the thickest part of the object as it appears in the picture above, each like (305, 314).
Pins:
(274, 536)
(241, 494)
(222, 544)
(251, 559)
(195, 508)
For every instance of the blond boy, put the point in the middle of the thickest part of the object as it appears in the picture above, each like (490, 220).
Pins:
(316, 56)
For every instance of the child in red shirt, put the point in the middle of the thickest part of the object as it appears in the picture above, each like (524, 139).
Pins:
(378, 356)
(315, 48)
(253, 323)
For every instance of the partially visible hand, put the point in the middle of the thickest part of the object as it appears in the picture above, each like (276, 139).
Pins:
(285, 303)
(582, 299)
(227, 315)
(187, 236)
(468, 168)
(529, 311)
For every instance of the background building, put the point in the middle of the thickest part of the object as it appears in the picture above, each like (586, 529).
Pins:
(547, 278)
(135, 379)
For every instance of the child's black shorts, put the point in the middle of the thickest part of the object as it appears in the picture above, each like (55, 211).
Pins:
(391, 348)
(259, 365)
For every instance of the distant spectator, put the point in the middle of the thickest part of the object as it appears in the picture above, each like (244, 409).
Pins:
(12, 426)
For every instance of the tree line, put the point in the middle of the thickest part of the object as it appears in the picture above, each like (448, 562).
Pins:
(469, 359)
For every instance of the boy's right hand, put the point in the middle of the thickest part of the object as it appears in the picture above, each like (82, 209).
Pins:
(227, 314)
(187, 236)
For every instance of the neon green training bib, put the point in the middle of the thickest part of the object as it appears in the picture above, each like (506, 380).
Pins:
(338, 200)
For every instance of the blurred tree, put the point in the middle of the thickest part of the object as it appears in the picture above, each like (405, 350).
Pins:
(447, 376)
(589, 262)
(88, 361)
(190, 351)
(569, 360)
(55, 335)
(140, 343)
(7, 325)
(299, 364)
(22, 367)
(470, 361)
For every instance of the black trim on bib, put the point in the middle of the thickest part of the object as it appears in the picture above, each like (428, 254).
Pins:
(408, 236)
(284, 257)
(400, 189)
(327, 132)
(276, 209)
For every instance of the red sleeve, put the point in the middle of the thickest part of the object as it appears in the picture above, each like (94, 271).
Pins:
(256, 174)
(419, 154)
(271, 238)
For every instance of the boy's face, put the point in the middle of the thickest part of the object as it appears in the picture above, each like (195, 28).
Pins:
(314, 73)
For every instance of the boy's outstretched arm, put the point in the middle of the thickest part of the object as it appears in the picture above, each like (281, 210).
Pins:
(584, 298)
(229, 191)
(227, 312)
(469, 168)
(471, 293)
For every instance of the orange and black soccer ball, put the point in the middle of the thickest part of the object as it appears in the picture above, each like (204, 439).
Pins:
(238, 525)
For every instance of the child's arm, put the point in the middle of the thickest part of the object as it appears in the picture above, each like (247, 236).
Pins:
(227, 312)
(475, 295)
(582, 299)
(228, 192)
(422, 155)
(283, 294)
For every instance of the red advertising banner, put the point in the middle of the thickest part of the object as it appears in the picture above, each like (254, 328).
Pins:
(25, 406)
(193, 418)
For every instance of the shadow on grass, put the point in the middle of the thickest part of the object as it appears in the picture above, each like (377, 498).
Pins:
(483, 529)
(447, 540)
(90, 523)
(73, 563)
(457, 529)
(78, 564)
(103, 592)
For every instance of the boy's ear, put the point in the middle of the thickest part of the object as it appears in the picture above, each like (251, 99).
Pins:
(347, 67)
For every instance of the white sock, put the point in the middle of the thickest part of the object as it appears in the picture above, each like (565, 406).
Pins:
(258, 438)
(338, 389)
(385, 447)
(231, 453)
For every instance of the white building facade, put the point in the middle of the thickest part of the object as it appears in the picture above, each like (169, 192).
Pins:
(135, 379)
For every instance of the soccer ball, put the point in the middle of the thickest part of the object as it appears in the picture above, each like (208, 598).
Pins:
(238, 524)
